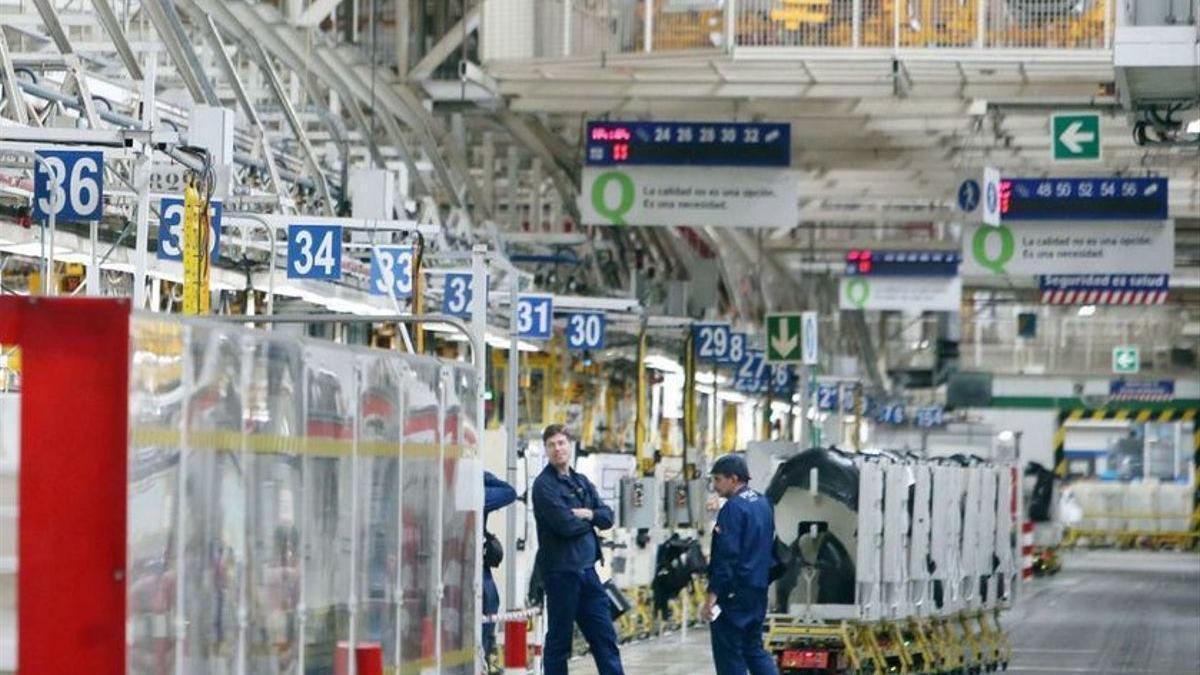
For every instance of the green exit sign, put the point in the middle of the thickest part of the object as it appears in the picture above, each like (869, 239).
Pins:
(1075, 137)
(1126, 359)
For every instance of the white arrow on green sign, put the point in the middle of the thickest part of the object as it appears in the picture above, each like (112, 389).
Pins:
(783, 338)
(1126, 359)
(1075, 136)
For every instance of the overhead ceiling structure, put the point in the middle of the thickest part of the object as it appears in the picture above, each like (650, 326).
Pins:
(481, 106)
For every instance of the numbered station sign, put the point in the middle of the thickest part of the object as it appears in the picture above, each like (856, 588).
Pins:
(392, 271)
(892, 413)
(170, 228)
(457, 294)
(827, 397)
(585, 330)
(783, 379)
(737, 349)
(712, 342)
(535, 316)
(931, 416)
(314, 252)
(69, 184)
(752, 372)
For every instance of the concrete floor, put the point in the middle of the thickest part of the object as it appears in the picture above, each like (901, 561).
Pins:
(1107, 612)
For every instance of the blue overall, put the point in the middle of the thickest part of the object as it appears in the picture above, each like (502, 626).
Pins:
(568, 548)
(496, 495)
(738, 575)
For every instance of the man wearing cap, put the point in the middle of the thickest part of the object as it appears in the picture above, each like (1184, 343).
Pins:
(568, 511)
(738, 572)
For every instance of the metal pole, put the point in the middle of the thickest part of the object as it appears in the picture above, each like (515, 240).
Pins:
(566, 26)
(479, 279)
(648, 24)
(511, 391)
(141, 183)
(48, 281)
(93, 272)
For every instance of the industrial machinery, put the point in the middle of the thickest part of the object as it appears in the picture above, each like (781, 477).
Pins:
(895, 563)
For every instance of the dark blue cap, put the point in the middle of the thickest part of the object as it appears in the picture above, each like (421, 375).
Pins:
(731, 465)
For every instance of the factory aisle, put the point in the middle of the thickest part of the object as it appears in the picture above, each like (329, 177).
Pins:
(1111, 612)
(1107, 612)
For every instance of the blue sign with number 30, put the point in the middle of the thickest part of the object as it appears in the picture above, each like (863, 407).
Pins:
(585, 330)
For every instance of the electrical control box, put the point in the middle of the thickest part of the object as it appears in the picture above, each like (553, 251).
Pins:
(684, 502)
(211, 128)
(639, 503)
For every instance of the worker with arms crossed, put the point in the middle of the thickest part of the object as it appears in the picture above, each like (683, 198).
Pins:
(568, 511)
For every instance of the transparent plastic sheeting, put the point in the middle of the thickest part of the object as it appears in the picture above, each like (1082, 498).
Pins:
(287, 497)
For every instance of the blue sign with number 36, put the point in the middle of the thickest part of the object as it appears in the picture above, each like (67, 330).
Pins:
(70, 184)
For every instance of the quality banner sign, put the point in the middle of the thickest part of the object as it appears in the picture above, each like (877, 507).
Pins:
(697, 196)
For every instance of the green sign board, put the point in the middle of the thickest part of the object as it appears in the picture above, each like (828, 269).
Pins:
(1126, 359)
(783, 338)
(1075, 136)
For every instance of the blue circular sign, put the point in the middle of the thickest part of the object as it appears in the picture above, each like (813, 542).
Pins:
(992, 198)
(968, 195)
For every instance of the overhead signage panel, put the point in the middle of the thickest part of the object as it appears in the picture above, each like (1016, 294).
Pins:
(1104, 289)
(697, 196)
(1140, 390)
(901, 294)
(1075, 248)
(689, 144)
(902, 263)
(1083, 199)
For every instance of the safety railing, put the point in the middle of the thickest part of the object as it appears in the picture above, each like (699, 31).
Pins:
(594, 28)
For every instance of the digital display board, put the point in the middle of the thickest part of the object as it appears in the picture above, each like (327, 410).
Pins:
(1107, 198)
(861, 263)
(689, 144)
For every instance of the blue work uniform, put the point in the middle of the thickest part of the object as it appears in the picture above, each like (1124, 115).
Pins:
(496, 495)
(568, 548)
(738, 572)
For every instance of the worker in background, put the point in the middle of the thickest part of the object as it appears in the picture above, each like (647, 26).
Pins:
(496, 495)
(568, 511)
(738, 572)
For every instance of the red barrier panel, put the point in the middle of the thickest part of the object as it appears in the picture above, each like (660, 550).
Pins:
(368, 659)
(516, 652)
(73, 482)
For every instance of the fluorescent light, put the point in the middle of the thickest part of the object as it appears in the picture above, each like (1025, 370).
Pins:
(1087, 310)
(497, 341)
(666, 365)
